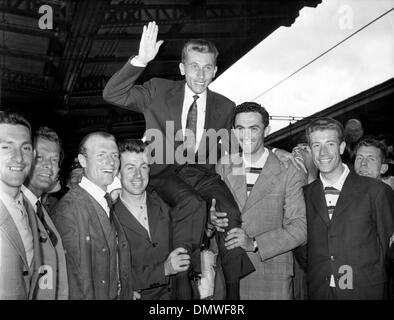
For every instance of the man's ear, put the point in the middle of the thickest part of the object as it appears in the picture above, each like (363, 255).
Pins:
(82, 160)
(384, 168)
(267, 131)
(214, 72)
(342, 147)
(182, 68)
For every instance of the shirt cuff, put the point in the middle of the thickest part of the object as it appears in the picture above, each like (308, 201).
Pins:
(255, 246)
(136, 63)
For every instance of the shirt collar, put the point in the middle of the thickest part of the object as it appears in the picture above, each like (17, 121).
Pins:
(259, 163)
(31, 197)
(136, 204)
(339, 183)
(189, 93)
(92, 188)
(7, 200)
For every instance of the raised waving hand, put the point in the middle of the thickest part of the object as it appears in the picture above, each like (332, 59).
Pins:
(149, 46)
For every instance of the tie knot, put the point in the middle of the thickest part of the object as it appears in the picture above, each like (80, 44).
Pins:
(195, 97)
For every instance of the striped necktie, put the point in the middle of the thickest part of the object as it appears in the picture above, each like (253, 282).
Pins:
(191, 125)
(40, 214)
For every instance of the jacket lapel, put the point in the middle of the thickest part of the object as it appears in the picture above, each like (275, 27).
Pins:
(37, 258)
(127, 220)
(153, 214)
(346, 196)
(211, 121)
(237, 179)
(212, 113)
(174, 102)
(265, 182)
(98, 216)
(319, 201)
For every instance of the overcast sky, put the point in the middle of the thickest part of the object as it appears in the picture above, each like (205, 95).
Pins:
(360, 63)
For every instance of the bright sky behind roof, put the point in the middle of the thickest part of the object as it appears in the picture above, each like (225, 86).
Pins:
(361, 62)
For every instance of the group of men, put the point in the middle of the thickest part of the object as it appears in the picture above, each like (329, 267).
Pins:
(148, 241)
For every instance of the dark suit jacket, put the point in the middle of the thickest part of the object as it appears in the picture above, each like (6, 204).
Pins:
(148, 253)
(161, 100)
(87, 249)
(357, 236)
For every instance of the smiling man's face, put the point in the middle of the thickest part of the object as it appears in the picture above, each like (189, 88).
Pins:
(101, 161)
(326, 152)
(134, 172)
(199, 69)
(16, 156)
(46, 166)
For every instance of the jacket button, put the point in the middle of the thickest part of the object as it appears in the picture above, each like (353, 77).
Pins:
(25, 273)
(104, 249)
(102, 281)
(332, 258)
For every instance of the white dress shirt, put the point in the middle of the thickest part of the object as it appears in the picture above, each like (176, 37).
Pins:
(96, 192)
(18, 213)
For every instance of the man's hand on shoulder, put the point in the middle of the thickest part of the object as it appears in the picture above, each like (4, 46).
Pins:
(286, 157)
(149, 46)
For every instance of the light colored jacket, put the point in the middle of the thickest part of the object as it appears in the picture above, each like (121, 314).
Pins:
(274, 214)
(18, 281)
(53, 284)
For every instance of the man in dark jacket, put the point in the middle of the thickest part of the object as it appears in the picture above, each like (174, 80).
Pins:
(349, 222)
(145, 219)
(183, 113)
(97, 252)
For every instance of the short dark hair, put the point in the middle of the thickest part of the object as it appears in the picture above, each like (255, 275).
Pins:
(50, 135)
(325, 123)
(14, 117)
(252, 107)
(132, 145)
(371, 141)
(103, 134)
(199, 45)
